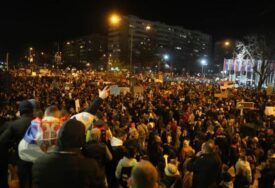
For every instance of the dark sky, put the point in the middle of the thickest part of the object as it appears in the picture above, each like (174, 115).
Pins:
(40, 23)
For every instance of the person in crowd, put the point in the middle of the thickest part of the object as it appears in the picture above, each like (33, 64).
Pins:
(97, 149)
(206, 167)
(118, 151)
(41, 136)
(267, 177)
(67, 167)
(11, 137)
(144, 175)
(172, 176)
(243, 171)
(125, 165)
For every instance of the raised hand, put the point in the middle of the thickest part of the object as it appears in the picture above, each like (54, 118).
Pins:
(103, 94)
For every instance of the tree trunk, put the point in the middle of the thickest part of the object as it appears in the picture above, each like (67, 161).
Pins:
(260, 83)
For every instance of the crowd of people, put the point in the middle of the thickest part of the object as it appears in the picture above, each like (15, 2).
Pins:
(170, 134)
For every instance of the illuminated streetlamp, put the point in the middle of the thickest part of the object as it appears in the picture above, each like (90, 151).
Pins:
(148, 28)
(226, 43)
(115, 19)
(203, 63)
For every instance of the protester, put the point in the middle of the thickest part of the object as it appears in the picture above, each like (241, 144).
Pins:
(67, 167)
(11, 137)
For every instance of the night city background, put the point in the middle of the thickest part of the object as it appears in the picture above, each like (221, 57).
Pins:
(137, 94)
(42, 25)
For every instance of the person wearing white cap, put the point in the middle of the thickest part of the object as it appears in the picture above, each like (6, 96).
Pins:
(172, 176)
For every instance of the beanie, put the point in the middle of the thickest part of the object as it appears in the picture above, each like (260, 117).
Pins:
(71, 134)
(25, 107)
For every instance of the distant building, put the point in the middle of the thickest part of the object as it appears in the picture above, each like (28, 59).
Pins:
(88, 51)
(242, 71)
(151, 40)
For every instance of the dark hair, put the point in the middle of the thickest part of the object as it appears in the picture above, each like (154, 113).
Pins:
(130, 152)
(51, 111)
(209, 146)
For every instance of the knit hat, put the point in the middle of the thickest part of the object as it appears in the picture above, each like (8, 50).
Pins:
(34, 103)
(71, 134)
(171, 170)
(25, 107)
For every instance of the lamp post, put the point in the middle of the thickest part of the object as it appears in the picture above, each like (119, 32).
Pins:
(203, 63)
(166, 58)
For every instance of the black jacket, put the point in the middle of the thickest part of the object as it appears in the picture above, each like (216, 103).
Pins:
(67, 167)
(15, 131)
(99, 152)
(207, 169)
(68, 170)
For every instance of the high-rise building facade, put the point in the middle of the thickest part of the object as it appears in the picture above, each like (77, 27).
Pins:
(145, 42)
(88, 51)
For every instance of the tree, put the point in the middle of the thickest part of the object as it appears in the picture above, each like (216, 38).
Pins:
(260, 51)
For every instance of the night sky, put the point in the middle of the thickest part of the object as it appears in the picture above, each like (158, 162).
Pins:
(41, 23)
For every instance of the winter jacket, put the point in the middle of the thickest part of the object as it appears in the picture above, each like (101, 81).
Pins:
(206, 168)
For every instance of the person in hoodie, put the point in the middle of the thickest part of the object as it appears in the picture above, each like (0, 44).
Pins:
(66, 166)
(41, 136)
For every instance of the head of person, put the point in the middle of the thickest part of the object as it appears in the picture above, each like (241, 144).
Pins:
(95, 134)
(71, 135)
(52, 111)
(121, 134)
(144, 175)
(208, 147)
(131, 151)
(25, 107)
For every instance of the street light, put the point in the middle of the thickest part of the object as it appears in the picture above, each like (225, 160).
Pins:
(226, 43)
(115, 19)
(148, 28)
(166, 58)
(203, 63)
